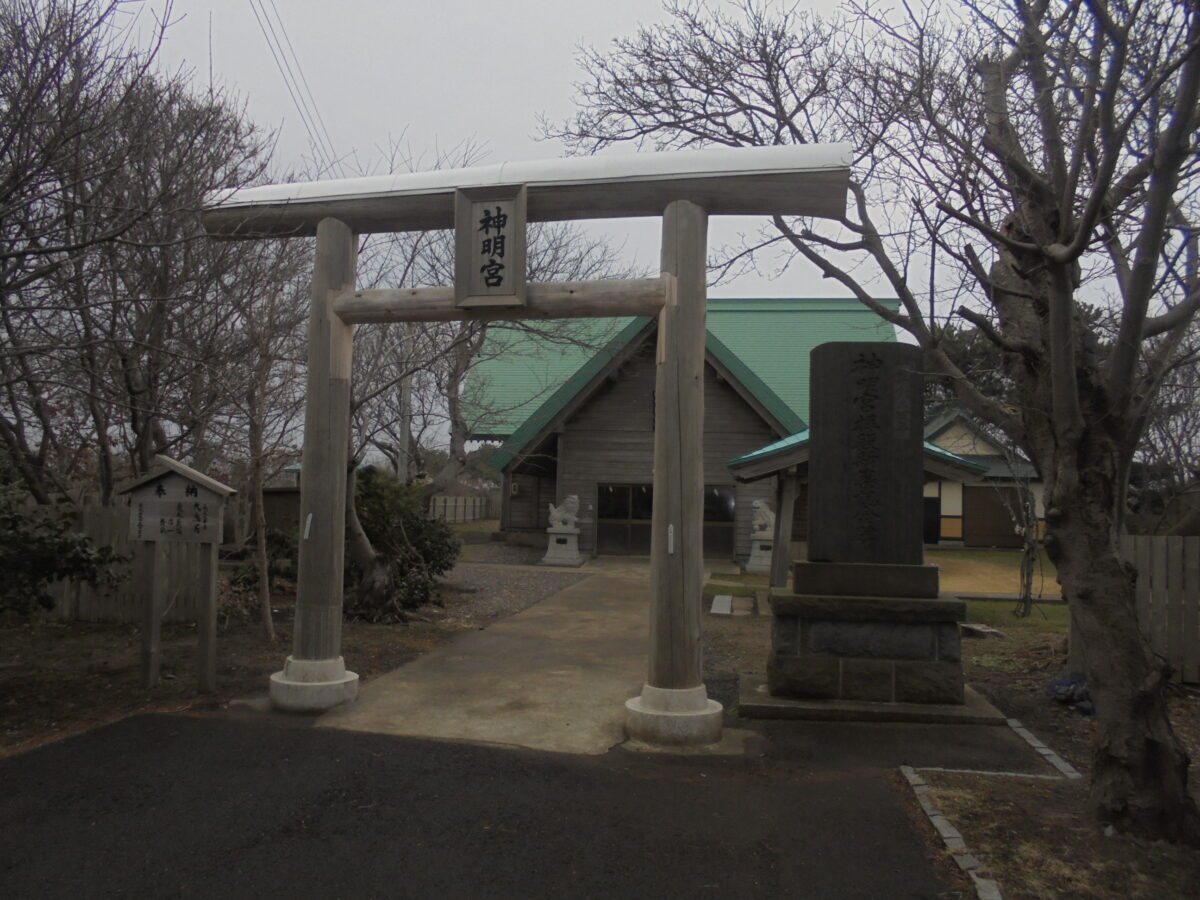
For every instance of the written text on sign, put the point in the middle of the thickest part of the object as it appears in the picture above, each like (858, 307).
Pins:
(173, 509)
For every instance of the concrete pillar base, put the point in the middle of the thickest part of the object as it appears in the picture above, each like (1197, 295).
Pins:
(664, 717)
(313, 685)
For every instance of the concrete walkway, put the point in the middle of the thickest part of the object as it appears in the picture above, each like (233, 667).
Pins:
(553, 677)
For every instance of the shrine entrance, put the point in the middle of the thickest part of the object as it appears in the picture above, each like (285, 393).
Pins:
(489, 207)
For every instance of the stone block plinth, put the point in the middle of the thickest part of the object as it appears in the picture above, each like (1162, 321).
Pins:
(876, 649)
(562, 548)
(761, 547)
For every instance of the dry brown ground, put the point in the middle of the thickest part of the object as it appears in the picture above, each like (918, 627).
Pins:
(58, 678)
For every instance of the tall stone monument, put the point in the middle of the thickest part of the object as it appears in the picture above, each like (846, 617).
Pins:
(866, 621)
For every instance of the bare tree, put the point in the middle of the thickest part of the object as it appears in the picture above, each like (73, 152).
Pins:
(106, 279)
(1041, 152)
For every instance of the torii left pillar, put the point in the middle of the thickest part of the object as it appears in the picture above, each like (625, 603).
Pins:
(314, 677)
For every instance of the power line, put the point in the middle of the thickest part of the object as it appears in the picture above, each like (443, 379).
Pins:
(324, 155)
(316, 110)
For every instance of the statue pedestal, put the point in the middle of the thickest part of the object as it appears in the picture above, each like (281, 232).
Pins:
(563, 547)
(761, 546)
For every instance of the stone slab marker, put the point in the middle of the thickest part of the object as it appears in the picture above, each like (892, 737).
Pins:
(865, 420)
(866, 621)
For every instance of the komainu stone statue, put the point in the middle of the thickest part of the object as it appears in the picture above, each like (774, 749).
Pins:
(763, 521)
(567, 515)
(563, 545)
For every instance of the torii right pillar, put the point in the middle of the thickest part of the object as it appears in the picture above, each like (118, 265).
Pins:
(673, 708)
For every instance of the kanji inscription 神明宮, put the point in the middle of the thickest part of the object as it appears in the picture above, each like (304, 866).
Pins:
(490, 246)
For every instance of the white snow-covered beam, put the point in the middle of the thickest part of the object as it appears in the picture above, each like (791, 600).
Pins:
(803, 180)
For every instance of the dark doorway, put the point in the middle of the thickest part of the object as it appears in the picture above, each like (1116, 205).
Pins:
(933, 519)
(720, 509)
(623, 513)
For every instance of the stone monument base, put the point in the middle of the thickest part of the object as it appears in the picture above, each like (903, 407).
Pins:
(865, 579)
(562, 548)
(313, 685)
(877, 649)
(760, 554)
(664, 717)
(755, 702)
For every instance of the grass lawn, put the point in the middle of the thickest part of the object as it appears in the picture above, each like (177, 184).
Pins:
(479, 526)
(990, 571)
(1048, 618)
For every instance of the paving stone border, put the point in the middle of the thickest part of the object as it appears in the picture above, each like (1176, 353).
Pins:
(1068, 770)
(985, 888)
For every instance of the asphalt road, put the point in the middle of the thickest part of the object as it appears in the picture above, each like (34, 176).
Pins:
(173, 806)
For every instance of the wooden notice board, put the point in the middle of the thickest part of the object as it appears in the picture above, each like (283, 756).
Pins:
(173, 508)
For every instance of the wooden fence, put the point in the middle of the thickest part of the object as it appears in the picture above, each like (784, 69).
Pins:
(109, 526)
(458, 509)
(1168, 597)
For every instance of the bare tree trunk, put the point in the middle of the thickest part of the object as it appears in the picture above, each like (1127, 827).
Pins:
(470, 338)
(1139, 779)
(262, 561)
(374, 585)
(1029, 549)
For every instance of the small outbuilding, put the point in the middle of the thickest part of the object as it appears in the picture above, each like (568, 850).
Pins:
(785, 464)
(978, 512)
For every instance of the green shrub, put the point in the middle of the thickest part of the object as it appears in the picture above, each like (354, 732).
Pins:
(413, 548)
(40, 545)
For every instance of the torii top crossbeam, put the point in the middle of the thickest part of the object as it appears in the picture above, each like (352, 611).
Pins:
(801, 180)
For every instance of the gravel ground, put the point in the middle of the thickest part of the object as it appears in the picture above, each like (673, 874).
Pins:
(498, 552)
(493, 591)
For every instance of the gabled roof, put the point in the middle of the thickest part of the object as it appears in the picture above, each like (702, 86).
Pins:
(761, 343)
(793, 450)
(997, 464)
(571, 394)
(563, 403)
(519, 371)
(164, 466)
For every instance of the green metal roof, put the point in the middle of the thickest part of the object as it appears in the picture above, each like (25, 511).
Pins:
(800, 438)
(553, 404)
(774, 337)
(525, 380)
(518, 371)
(770, 400)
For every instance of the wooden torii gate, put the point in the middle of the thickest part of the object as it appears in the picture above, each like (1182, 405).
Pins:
(684, 188)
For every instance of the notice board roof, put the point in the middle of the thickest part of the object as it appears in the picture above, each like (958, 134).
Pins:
(165, 466)
(806, 179)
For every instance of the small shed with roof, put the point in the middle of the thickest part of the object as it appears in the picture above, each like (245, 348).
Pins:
(978, 513)
(575, 412)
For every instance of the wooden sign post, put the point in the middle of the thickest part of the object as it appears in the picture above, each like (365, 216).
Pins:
(177, 504)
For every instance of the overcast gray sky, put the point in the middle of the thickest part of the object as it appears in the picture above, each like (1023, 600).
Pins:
(427, 76)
